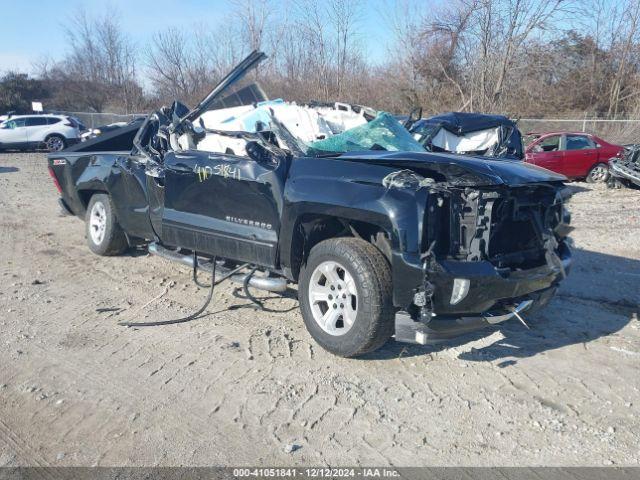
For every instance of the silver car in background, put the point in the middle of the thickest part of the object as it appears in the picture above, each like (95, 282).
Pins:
(31, 132)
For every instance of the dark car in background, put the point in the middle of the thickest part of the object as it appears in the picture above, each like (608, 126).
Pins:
(465, 133)
(576, 155)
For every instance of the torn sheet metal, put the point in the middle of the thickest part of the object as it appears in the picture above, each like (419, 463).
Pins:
(406, 179)
(627, 169)
(306, 123)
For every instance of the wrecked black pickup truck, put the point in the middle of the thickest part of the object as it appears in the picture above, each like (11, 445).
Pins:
(381, 236)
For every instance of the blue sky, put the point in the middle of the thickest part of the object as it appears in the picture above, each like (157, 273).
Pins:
(33, 29)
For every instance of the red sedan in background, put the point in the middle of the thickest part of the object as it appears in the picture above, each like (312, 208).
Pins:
(576, 155)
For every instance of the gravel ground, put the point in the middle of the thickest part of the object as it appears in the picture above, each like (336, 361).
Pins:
(237, 386)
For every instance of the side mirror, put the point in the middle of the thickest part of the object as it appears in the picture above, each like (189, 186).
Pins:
(258, 152)
(414, 116)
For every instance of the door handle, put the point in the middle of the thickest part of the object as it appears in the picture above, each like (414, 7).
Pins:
(159, 181)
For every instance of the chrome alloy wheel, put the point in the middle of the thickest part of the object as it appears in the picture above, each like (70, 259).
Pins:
(54, 144)
(98, 222)
(599, 173)
(333, 298)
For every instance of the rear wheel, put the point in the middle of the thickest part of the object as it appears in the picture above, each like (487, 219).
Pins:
(599, 173)
(345, 296)
(104, 234)
(55, 143)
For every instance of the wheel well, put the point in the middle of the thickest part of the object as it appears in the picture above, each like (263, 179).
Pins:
(54, 134)
(313, 229)
(85, 196)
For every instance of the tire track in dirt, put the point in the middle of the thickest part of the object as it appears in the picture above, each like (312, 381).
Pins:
(25, 454)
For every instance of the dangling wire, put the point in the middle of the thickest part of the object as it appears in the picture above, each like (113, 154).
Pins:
(207, 301)
(245, 288)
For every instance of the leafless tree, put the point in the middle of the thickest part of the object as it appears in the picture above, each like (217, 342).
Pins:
(625, 33)
(100, 67)
(520, 57)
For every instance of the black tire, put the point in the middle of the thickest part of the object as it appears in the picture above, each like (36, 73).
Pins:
(113, 240)
(374, 320)
(55, 143)
(595, 175)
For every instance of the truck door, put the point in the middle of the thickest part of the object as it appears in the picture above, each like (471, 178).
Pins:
(128, 185)
(223, 204)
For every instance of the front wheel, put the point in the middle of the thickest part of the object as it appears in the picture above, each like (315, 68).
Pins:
(104, 234)
(599, 173)
(345, 296)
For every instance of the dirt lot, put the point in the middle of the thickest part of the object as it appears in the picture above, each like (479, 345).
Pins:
(236, 386)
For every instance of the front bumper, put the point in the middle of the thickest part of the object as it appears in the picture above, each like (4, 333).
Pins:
(489, 287)
(409, 331)
(492, 297)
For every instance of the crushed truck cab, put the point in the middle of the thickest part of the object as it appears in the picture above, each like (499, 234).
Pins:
(382, 237)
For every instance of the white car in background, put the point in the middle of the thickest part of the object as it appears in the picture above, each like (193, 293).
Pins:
(29, 132)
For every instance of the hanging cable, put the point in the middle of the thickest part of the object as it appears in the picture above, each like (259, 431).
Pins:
(206, 303)
(245, 288)
(195, 271)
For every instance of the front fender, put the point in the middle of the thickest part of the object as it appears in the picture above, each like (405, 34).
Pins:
(354, 191)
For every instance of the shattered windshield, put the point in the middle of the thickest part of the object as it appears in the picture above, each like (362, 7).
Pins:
(382, 133)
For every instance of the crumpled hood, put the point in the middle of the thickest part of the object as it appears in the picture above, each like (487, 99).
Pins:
(461, 170)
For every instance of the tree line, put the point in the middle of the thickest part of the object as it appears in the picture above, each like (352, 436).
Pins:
(535, 58)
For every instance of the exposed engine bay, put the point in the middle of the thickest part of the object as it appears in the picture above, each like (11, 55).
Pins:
(515, 228)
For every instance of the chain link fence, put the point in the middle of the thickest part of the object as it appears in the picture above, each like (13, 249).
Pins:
(93, 120)
(615, 131)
